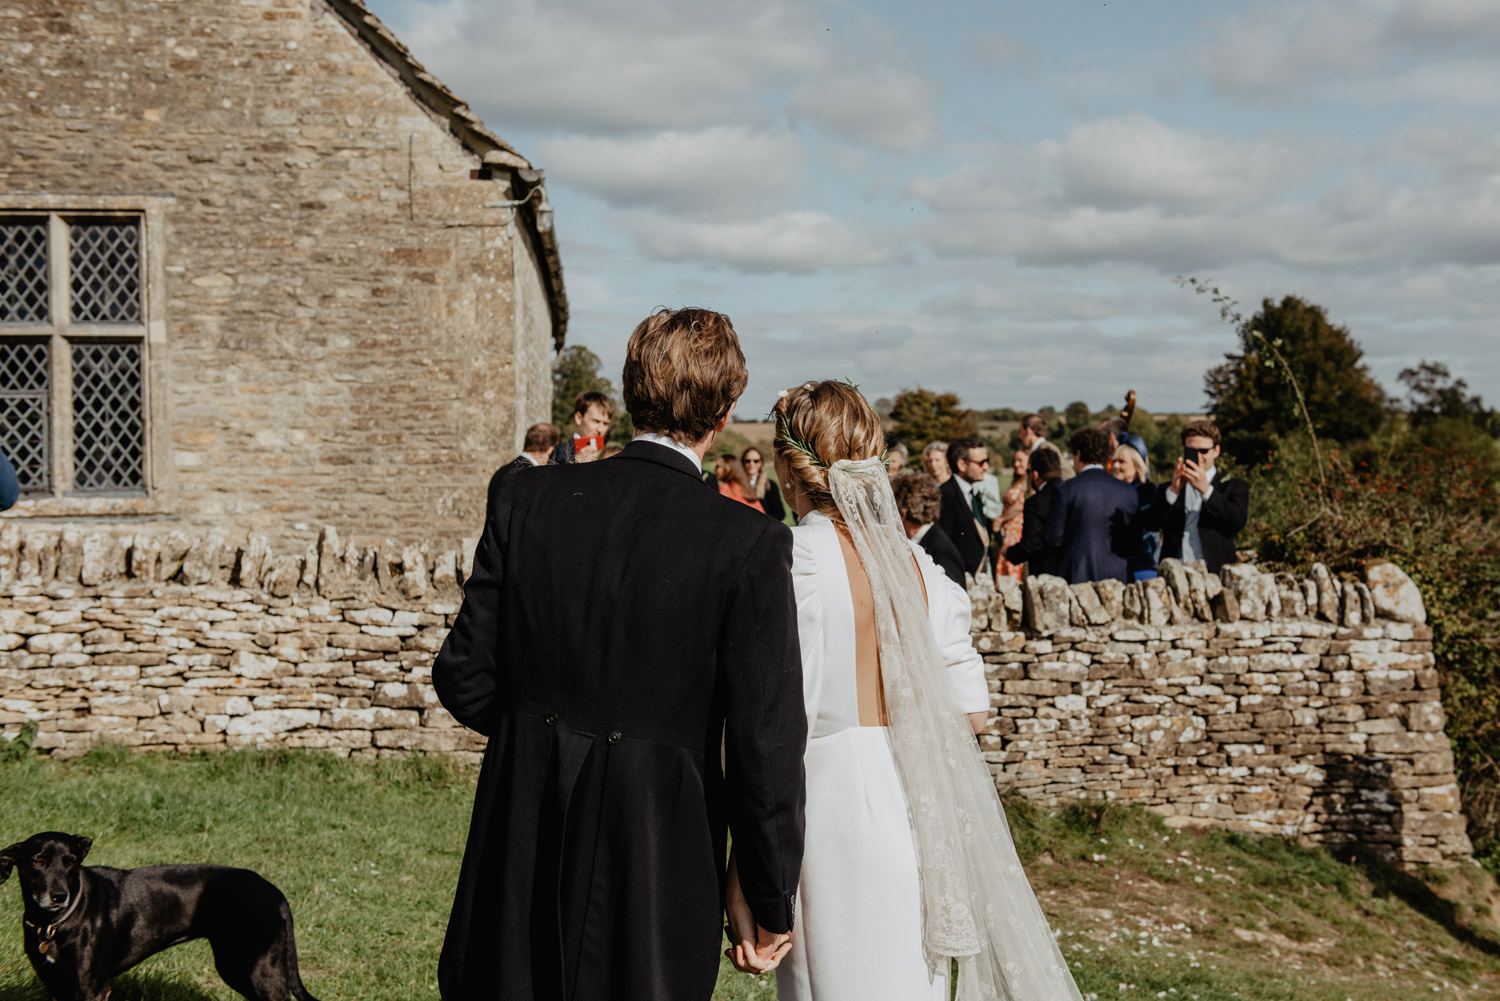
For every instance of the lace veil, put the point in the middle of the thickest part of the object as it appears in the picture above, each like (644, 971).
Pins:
(977, 905)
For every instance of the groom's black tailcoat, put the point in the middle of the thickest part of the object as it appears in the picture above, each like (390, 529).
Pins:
(621, 620)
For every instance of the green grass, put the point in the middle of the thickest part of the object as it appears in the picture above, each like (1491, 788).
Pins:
(368, 852)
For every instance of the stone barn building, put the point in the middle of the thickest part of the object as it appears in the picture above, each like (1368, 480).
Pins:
(259, 271)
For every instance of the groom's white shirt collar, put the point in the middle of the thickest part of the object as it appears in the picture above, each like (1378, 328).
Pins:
(672, 443)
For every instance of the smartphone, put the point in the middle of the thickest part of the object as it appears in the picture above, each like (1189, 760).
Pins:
(579, 444)
(1192, 455)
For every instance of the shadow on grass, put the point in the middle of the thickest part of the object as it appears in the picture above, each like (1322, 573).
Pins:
(1387, 880)
(128, 987)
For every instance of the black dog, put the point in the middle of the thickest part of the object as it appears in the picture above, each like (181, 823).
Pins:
(84, 926)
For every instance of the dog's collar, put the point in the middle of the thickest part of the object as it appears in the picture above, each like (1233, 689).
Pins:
(46, 933)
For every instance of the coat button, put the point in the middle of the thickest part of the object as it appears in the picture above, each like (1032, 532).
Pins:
(614, 736)
(551, 719)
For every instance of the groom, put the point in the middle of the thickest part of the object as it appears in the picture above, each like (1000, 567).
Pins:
(621, 622)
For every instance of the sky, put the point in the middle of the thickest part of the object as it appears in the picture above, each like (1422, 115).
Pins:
(995, 198)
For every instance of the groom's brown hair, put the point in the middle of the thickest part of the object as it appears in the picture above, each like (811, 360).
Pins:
(683, 371)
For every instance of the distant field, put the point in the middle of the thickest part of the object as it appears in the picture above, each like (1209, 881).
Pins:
(367, 853)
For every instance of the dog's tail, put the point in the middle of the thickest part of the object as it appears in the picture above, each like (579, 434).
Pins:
(293, 973)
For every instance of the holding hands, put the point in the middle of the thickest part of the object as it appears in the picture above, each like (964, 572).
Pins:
(752, 949)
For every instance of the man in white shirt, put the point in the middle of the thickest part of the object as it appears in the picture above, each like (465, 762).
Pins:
(963, 516)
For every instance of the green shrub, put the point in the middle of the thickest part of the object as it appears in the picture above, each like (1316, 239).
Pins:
(1428, 502)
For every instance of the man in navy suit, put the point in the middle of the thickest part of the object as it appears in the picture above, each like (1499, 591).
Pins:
(1093, 522)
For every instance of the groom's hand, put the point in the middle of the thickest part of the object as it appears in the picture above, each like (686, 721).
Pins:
(760, 955)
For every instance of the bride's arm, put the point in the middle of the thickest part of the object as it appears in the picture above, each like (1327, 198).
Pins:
(965, 668)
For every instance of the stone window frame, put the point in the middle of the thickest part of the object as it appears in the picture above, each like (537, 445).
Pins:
(159, 493)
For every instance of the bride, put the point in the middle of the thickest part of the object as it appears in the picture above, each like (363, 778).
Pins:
(909, 863)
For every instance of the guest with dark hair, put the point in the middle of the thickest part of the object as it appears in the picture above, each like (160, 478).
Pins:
(962, 515)
(1012, 516)
(762, 486)
(10, 487)
(1044, 471)
(1199, 512)
(592, 414)
(1033, 435)
(733, 483)
(1094, 524)
(919, 501)
(537, 446)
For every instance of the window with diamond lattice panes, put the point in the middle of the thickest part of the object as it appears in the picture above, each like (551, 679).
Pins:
(23, 271)
(109, 440)
(105, 263)
(73, 354)
(25, 376)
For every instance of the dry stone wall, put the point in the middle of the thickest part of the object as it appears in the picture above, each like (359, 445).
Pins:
(1246, 700)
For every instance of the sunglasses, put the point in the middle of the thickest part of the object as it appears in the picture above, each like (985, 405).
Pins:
(752, 462)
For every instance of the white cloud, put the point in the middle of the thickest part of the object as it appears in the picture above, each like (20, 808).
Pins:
(727, 171)
(605, 67)
(1280, 50)
(1136, 160)
(1277, 50)
(790, 243)
(885, 106)
(1132, 191)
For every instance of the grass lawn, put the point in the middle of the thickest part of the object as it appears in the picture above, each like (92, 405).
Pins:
(367, 853)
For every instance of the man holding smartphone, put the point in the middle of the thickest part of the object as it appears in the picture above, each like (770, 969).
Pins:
(1200, 512)
(592, 414)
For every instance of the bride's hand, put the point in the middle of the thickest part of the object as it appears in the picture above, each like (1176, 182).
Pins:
(752, 949)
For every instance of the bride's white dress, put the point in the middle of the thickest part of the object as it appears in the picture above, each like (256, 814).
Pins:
(858, 930)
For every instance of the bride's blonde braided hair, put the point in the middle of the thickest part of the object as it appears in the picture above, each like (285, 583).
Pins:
(819, 423)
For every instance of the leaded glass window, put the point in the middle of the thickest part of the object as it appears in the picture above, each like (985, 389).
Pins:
(23, 270)
(73, 389)
(25, 383)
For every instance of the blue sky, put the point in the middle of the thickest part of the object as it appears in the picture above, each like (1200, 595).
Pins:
(993, 198)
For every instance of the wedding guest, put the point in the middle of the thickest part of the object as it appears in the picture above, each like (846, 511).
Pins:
(895, 457)
(10, 487)
(1033, 435)
(962, 515)
(1129, 466)
(1044, 471)
(592, 414)
(537, 446)
(1199, 512)
(935, 461)
(761, 485)
(1093, 523)
(733, 483)
(919, 501)
(1120, 432)
(1009, 526)
(993, 506)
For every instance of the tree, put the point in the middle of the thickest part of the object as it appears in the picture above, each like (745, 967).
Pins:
(1077, 415)
(1432, 394)
(1290, 349)
(922, 415)
(574, 371)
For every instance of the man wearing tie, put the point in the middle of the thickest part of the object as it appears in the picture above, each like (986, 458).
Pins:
(963, 517)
